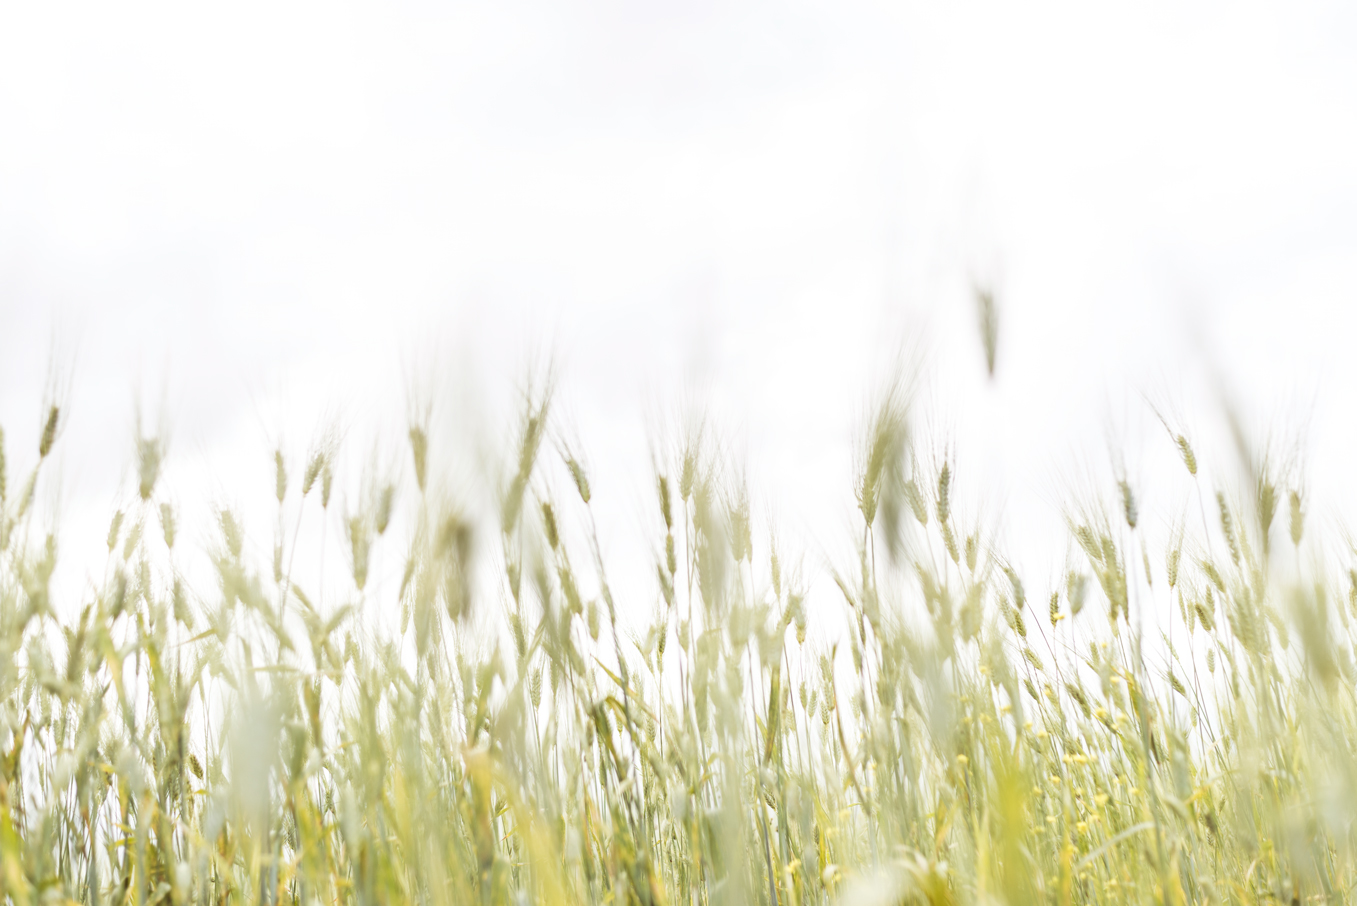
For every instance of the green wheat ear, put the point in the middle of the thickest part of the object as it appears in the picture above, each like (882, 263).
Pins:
(49, 432)
(989, 326)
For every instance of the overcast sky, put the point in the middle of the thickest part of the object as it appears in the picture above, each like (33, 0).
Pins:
(262, 213)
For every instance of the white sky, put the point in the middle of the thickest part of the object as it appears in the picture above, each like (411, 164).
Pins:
(263, 212)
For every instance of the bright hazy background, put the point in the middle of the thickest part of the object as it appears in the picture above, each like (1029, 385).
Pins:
(250, 218)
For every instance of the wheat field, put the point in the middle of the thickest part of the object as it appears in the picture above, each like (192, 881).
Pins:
(509, 736)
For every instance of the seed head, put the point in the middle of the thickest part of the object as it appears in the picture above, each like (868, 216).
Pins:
(520, 637)
(1214, 575)
(1189, 458)
(1297, 518)
(114, 529)
(1177, 684)
(915, 498)
(1227, 526)
(944, 488)
(665, 509)
(1128, 503)
(312, 472)
(592, 620)
(419, 449)
(230, 531)
(1080, 698)
(279, 476)
(549, 524)
(149, 451)
(949, 541)
(385, 504)
(359, 545)
(167, 524)
(741, 530)
(581, 480)
(1267, 505)
(49, 432)
(1076, 586)
(133, 539)
(1032, 659)
(688, 472)
(179, 602)
(989, 326)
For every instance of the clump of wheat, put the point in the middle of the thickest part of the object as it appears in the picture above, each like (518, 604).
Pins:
(523, 735)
